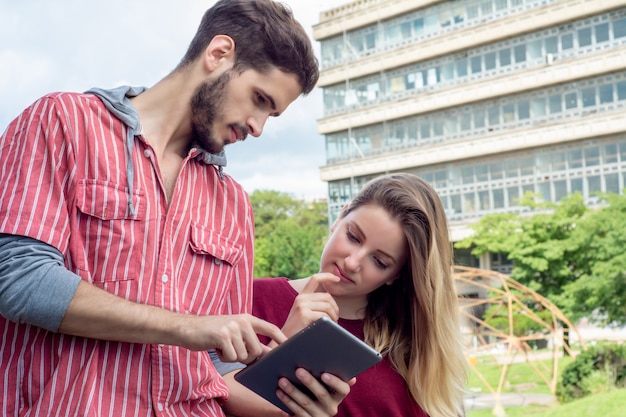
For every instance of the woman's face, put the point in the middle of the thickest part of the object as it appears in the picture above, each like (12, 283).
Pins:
(366, 249)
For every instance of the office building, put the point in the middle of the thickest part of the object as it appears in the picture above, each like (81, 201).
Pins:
(485, 99)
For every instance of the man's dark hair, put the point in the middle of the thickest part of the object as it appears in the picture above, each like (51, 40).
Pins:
(265, 34)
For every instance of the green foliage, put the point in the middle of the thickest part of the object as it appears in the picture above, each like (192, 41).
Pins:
(598, 369)
(567, 252)
(289, 235)
(523, 324)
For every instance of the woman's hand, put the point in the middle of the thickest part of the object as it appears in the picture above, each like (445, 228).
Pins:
(311, 304)
(327, 397)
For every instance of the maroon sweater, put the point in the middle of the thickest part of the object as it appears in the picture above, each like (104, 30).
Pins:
(380, 391)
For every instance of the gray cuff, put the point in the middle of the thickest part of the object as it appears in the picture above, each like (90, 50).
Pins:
(35, 286)
(224, 368)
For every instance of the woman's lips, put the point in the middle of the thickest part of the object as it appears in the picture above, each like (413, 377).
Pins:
(341, 275)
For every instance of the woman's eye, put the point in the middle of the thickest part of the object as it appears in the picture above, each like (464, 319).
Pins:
(381, 264)
(352, 236)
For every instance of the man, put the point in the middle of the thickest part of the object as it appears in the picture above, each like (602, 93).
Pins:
(125, 252)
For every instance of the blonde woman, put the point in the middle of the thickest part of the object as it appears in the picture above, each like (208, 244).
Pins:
(386, 276)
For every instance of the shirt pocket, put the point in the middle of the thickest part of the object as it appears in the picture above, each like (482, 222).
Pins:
(214, 268)
(205, 241)
(108, 242)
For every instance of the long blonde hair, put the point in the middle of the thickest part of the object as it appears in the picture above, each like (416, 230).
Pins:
(415, 320)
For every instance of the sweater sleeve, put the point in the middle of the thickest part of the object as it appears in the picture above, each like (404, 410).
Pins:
(35, 286)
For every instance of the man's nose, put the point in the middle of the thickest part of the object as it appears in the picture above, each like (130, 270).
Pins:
(256, 124)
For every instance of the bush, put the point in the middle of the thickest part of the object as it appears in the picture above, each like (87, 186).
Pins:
(598, 369)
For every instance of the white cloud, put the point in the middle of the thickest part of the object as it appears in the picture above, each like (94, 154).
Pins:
(75, 45)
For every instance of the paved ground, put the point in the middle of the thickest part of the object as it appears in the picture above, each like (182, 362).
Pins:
(481, 401)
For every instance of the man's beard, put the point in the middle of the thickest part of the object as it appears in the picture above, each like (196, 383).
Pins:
(207, 106)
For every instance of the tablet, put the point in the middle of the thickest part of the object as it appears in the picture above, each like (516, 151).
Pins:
(323, 346)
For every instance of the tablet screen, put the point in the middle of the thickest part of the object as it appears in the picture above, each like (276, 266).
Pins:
(323, 346)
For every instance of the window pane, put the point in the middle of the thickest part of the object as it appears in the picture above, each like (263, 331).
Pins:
(494, 116)
(602, 32)
(619, 28)
(476, 64)
(584, 37)
(594, 184)
(560, 190)
(490, 61)
(535, 49)
(612, 183)
(592, 156)
(523, 110)
(520, 53)
(496, 170)
(512, 196)
(575, 158)
(576, 185)
(498, 198)
(468, 203)
(606, 93)
(589, 97)
(537, 108)
(621, 90)
(461, 68)
(479, 118)
(555, 104)
(544, 191)
(567, 41)
(609, 153)
(571, 101)
(552, 45)
(505, 57)
(483, 200)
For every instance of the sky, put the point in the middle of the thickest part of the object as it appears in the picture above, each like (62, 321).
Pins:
(73, 45)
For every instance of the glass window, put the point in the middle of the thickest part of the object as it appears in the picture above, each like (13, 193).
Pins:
(592, 156)
(468, 175)
(575, 158)
(476, 64)
(544, 191)
(560, 190)
(576, 185)
(584, 37)
(552, 45)
(619, 28)
(437, 127)
(611, 182)
(498, 198)
(483, 200)
(493, 114)
(496, 170)
(418, 26)
(512, 196)
(543, 163)
(571, 101)
(450, 126)
(527, 166)
(567, 41)
(505, 57)
(510, 168)
(466, 121)
(490, 61)
(555, 104)
(461, 68)
(455, 203)
(424, 129)
(479, 118)
(594, 184)
(454, 176)
(523, 110)
(605, 93)
(621, 90)
(537, 108)
(622, 151)
(559, 162)
(482, 173)
(602, 32)
(535, 49)
(472, 11)
(447, 72)
(519, 52)
(468, 203)
(589, 97)
(609, 153)
(508, 113)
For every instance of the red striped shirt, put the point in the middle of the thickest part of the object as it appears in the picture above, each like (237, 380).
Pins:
(63, 181)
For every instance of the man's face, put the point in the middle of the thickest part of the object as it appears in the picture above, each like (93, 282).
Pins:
(235, 104)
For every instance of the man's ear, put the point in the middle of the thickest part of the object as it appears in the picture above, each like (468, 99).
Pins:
(220, 51)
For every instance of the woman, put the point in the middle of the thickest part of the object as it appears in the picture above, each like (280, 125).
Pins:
(386, 276)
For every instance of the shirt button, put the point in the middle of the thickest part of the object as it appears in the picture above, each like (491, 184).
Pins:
(164, 277)
(160, 406)
(147, 153)
(217, 261)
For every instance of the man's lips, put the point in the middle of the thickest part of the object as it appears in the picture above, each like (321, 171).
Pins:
(237, 134)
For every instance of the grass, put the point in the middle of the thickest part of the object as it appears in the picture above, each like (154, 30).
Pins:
(521, 377)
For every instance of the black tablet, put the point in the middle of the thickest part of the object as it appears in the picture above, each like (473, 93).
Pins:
(323, 346)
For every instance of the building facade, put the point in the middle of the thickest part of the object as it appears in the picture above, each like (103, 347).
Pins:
(485, 99)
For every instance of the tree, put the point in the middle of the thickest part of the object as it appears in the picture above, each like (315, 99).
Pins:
(289, 235)
(569, 253)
